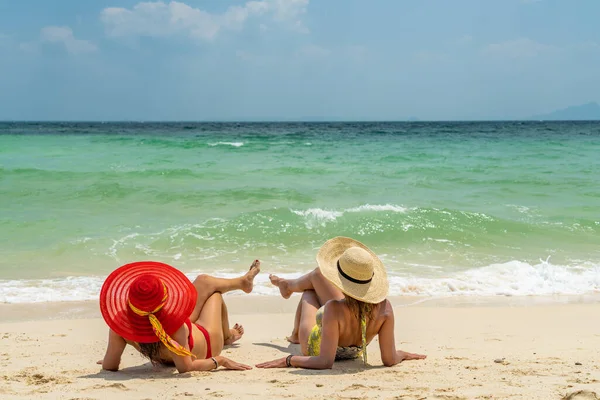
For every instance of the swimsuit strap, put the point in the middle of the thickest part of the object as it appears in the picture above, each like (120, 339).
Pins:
(363, 325)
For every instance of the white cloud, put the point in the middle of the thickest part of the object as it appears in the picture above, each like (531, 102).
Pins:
(519, 48)
(160, 19)
(63, 35)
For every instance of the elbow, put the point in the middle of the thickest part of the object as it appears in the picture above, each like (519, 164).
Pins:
(183, 370)
(325, 364)
(389, 363)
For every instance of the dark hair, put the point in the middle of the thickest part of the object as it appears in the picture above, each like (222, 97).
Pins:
(152, 352)
(360, 308)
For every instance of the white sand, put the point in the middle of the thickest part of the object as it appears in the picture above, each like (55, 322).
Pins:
(540, 345)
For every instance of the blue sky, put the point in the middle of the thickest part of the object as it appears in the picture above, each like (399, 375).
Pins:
(296, 59)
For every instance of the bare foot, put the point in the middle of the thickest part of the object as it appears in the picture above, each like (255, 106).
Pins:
(248, 281)
(293, 338)
(236, 334)
(282, 284)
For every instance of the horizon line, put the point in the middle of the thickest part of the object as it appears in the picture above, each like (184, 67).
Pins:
(249, 121)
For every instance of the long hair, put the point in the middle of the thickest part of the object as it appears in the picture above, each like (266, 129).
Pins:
(151, 351)
(359, 308)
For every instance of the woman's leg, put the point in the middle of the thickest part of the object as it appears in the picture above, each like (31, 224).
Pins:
(309, 304)
(229, 335)
(211, 318)
(215, 319)
(314, 280)
(211, 311)
(207, 285)
(293, 338)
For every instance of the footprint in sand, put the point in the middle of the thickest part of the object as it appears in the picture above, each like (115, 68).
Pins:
(119, 386)
(581, 395)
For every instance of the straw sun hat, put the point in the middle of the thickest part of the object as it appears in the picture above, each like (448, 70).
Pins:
(354, 269)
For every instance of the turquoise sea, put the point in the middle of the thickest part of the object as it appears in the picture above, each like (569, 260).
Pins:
(478, 208)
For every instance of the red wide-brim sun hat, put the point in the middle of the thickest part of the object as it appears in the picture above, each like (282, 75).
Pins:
(114, 301)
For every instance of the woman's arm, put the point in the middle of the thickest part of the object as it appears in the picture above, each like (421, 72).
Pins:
(187, 364)
(387, 344)
(330, 335)
(114, 351)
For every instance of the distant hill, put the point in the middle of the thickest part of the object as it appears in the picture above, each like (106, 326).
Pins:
(589, 111)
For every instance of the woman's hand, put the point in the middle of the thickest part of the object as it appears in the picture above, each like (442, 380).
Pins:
(230, 364)
(279, 363)
(404, 356)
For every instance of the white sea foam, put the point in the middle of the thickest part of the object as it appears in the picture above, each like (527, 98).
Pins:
(376, 207)
(50, 290)
(514, 278)
(234, 144)
(319, 217)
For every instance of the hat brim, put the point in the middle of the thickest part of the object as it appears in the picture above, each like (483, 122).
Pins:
(114, 301)
(327, 258)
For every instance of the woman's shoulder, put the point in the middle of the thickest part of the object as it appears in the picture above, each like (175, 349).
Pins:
(385, 309)
(336, 308)
(334, 305)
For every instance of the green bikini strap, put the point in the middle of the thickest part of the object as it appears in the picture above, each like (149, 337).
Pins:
(363, 325)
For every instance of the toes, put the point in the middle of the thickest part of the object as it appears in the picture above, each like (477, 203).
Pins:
(255, 266)
(238, 329)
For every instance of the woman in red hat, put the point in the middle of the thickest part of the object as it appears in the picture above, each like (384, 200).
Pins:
(168, 319)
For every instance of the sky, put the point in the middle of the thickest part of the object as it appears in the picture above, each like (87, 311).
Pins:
(194, 60)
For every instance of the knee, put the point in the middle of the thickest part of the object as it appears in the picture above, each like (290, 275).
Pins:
(308, 296)
(200, 279)
(203, 283)
(316, 273)
(216, 296)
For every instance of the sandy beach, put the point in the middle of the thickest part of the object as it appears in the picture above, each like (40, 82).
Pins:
(511, 349)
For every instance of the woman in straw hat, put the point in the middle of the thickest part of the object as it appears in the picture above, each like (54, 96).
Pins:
(168, 319)
(343, 307)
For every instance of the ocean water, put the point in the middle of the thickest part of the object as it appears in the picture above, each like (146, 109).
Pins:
(496, 208)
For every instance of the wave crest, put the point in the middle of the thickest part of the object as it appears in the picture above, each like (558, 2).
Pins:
(514, 278)
(233, 144)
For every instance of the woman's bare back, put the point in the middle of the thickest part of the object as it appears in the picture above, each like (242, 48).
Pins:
(350, 329)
